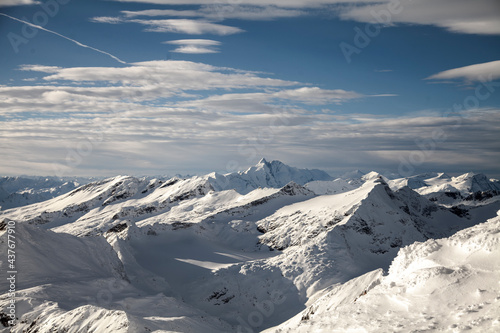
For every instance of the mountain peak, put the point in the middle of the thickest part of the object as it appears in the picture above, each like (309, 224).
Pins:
(273, 174)
(262, 161)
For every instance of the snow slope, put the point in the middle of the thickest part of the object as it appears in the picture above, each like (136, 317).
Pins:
(448, 284)
(73, 284)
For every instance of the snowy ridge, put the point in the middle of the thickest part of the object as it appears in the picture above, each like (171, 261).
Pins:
(440, 182)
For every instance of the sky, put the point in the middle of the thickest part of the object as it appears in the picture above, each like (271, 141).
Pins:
(164, 87)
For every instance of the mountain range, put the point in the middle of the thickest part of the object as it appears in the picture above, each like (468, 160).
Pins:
(272, 248)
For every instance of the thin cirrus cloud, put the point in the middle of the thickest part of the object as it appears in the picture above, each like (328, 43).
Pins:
(195, 46)
(184, 26)
(459, 16)
(487, 71)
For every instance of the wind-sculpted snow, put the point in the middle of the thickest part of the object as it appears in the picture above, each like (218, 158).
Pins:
(246, 251)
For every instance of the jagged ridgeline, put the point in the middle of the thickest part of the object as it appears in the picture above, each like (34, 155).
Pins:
(272, 248)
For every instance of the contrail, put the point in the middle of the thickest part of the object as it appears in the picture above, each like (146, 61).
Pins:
(72, 40)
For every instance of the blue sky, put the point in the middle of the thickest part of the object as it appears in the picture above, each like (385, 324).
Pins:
(152, 87)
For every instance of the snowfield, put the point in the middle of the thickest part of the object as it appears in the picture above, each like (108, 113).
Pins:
(273, 248)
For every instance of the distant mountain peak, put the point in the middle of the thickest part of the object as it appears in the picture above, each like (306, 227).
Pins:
(262, 161)
(274, 174)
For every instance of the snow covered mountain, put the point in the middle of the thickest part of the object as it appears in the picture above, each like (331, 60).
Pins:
(448, 284)
(451, 191)
(21, 191)
(265, 174)
(240, 252)
(440, 182)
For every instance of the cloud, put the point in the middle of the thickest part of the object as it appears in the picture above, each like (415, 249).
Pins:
(135, 117)
(195, 46)
(194, 49)
(460, 16)
(172, 76)
(183, 26)
(107, 19)
(479, 72)
(262, 3)
(203, 42)
(6, 3)
(271, 101)
(143, 140)
(220, 11)
(317, 96)
(191, 27)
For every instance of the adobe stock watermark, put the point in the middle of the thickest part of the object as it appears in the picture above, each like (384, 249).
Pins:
(11, 270)
(363, 37)
(427, 147)
(41, 18)
(264, 309)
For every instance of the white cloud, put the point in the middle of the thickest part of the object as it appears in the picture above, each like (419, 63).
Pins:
(194, 49)
(132, 126)
(171, 76)
(202, 42)
(6, 3)
(126, 116)
(269, 102)
(463, 16)
(195, 46)
(107, 19)
(184, 26)
(317, 96)
(143, 140)
(479, 72)
(221, 11)
(460, 16)
(278, 3)
(192, 27)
